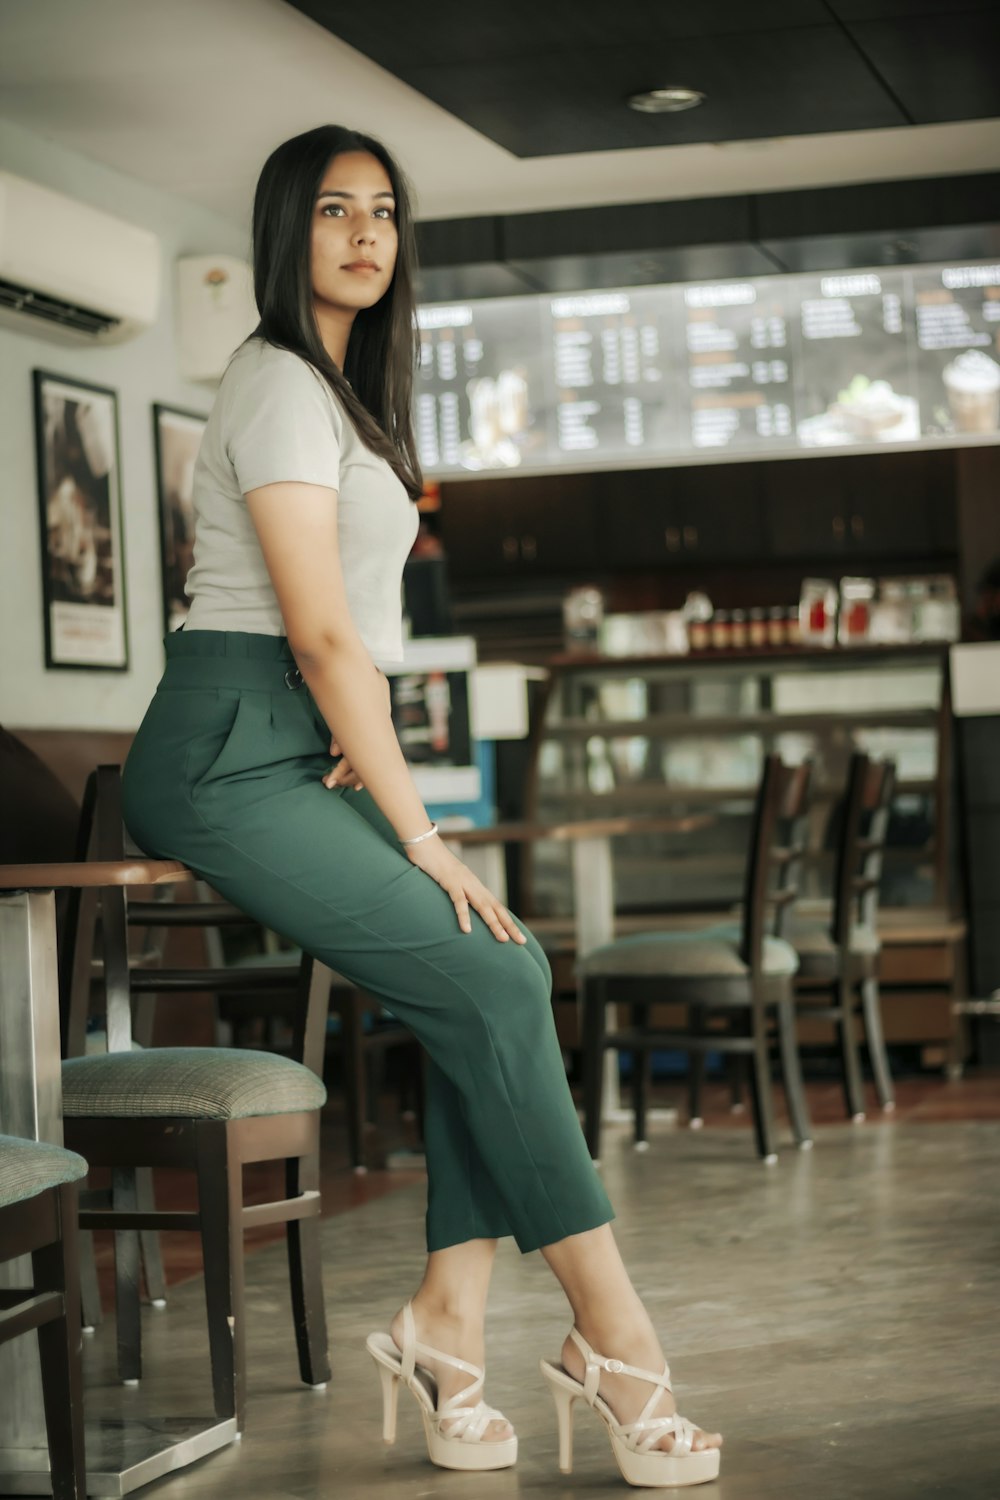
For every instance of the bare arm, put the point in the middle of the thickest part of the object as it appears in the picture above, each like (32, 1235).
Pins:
(297, 527)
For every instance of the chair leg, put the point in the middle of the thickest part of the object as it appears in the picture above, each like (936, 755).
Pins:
(736, 1068)
(305, 1271)
(642, 1063)
(91, 1310)
(149, 1240)
(763, 1102)
(124, 1198)
(872, 1008)
(220, 1206)
(696, 1070)
(592, 1032)
(791, 1069)
(854, 1095)
(54, 1268)
(352, 1062)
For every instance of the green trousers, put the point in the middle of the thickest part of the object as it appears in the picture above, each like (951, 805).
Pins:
(224, 775)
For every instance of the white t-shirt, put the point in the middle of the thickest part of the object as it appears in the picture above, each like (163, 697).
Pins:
(275, 418)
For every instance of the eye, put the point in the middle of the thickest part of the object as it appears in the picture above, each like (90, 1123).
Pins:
(331, 207)
(389, 213)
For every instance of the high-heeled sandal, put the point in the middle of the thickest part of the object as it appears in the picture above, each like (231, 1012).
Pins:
(468, 1416)
(633, 1443)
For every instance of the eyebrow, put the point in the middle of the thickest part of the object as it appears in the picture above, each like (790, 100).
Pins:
(339, 193)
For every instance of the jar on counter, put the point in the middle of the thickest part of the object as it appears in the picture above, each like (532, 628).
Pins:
(776, 626)
(818, 612)
(721, 630)
(854, 624)
(739, 635)
(699, 635)
(757, 628)
(793, 627)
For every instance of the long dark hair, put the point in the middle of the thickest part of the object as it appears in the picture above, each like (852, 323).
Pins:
(377, 381)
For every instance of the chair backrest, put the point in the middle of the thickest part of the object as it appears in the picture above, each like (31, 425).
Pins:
(102, 836)
(777, 847)
(861, 846)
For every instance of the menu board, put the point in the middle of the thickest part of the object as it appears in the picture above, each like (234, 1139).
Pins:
(738, 385)
(660, 374)
(958, 336)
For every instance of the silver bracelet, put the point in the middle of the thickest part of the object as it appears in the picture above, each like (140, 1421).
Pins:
(421, 836)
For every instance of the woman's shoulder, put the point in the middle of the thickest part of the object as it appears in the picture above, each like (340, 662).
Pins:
(259, 364)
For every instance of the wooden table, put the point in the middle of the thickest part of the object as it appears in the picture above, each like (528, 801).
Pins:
(482, 849)
(121, 1455)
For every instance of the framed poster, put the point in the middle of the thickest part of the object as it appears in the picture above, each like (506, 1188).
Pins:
(80, 515)
(177, 436)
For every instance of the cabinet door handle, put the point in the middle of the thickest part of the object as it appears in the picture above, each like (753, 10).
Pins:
(839, 528)
(690, 534)
(672, 539)
(857, 527)
(529, 548)
(510, 547)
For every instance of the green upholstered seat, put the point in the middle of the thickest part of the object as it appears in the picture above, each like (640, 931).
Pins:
(819, 956)
(711, 953)
(27, 1168)
(191, 1083)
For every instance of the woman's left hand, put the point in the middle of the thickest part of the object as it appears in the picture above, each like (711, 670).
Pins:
(342, 775)
(345, 774)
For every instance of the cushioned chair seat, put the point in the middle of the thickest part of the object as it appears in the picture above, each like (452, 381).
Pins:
(192, 1083)
(819, 956)
(27, 1168)
(712, 953)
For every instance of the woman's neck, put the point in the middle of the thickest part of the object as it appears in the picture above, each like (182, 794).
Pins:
(335, 324)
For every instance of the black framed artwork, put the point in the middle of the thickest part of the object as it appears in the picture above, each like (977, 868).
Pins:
(80, 518)
(177, 438)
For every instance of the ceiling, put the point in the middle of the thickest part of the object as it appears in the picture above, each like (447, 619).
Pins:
(190, 96)
(552, 79)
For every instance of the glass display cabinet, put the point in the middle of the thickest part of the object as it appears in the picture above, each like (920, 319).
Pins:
(679, 735)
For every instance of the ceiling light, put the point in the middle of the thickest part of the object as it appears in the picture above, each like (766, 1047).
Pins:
(665, 101)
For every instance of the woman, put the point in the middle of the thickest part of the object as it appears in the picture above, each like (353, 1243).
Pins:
(303, 496)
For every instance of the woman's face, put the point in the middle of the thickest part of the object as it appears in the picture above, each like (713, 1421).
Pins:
(354, 239)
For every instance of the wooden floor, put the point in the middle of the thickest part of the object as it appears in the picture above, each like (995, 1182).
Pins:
(921, 1098)
(835, 1315)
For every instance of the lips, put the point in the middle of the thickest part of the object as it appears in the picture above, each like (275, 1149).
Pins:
(361, 265)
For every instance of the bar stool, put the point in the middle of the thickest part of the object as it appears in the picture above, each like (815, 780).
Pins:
(734, 978)
(38, 1207)
(210, 1110)
(837, 977)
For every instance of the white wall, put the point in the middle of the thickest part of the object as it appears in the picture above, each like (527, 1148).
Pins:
(142, 371)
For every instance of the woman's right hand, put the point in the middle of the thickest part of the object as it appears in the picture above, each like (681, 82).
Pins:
(464, 888)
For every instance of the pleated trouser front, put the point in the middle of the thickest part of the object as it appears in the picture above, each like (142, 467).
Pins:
(224, 775)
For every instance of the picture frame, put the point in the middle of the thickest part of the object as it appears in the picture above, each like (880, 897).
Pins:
(78, 457)
(176, 439)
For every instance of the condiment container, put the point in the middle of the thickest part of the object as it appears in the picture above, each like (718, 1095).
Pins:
(757, 629)
(722, 630)
(776, 627)
(818, 612)
(856, 596)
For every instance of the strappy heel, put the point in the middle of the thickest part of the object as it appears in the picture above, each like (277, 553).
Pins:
(468, 1416)
(633, 1443)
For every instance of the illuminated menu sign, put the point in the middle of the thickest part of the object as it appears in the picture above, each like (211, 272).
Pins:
(660, 374)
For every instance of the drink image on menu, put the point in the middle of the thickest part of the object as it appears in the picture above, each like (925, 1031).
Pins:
(958, 331)
(858, 384)
(972, 381)
(499, 418)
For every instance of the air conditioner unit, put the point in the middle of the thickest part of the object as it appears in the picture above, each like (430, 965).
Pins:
(215, 312)
(71, 272)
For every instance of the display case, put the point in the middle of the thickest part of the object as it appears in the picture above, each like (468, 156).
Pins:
(680, 735)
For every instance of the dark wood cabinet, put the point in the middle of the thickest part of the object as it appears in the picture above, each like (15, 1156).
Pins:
(520, 526)
(880, 505)
(846, 511)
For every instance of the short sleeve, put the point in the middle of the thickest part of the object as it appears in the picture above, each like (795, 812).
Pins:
(281, 422)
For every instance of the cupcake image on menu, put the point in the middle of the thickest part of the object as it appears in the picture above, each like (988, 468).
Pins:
(972, 381)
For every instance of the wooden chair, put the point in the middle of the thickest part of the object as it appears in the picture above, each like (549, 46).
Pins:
(209, 1110)
(735, 979)
(837, 977)
(38, 1207)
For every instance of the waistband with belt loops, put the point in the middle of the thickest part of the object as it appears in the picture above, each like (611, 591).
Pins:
(229, 658)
